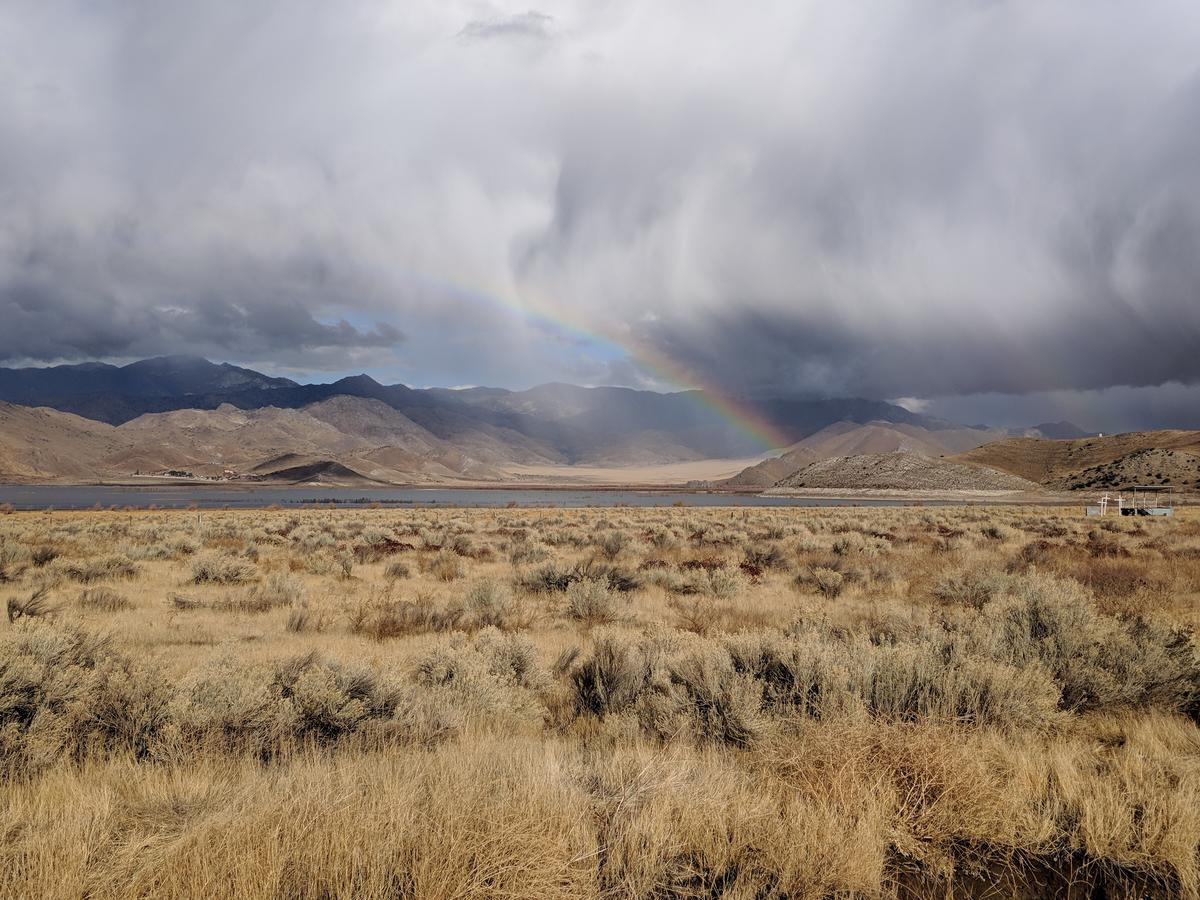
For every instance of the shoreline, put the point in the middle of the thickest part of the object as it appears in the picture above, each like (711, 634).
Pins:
(122, 492)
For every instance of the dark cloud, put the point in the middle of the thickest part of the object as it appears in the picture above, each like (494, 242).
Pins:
(1109, 410)
(928, 198)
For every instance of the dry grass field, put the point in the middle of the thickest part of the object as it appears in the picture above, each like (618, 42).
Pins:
(649, 703)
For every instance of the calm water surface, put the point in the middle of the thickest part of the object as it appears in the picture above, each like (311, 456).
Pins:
(182, 496)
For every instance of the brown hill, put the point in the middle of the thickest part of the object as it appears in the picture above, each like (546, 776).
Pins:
(317, 471)
(900, 471)
(39, 444)
(208, 442)
(341, 440)
(849, 439)
(1087, 462)
(771, 471)
(1176, 468)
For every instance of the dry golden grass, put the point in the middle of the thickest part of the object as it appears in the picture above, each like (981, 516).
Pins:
(713, 702)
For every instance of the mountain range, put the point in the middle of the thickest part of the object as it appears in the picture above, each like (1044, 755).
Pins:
(568, 424)
(186, 415)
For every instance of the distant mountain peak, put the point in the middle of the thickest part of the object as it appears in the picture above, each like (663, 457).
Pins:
(176, 359)
(360, 378)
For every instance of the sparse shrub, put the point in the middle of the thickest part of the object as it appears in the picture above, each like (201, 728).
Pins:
(677, 582)
(971, 589)
(612, 543)
(383, 616)
(849, 543)
(34, 606)
(1098, 660)
(662, 538)
(612, 678)
(330, 700)
(825, 581)
(488, 603)
(766, 559)
(220, 569)
(445, 566)
(592, 602)
(299, 619)
(718, 704)
(1101, 544)
(228, 705)
(1033, 554)
(551, 578)
(92, 570)
(65, 692)
(278, 590)
(13, 560)
(669, 688)
(697, 613)
(1115, 578)
(548, 579)
(492, 680)
(994, 531)
(184, 546)
(525, 552)
(620, 580)
(396, 570)
(725, 584)
(44, 554)
(929, 739)
(822, 678)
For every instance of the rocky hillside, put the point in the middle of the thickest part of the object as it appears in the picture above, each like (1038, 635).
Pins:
(1096, 462)
(771, 471)
(902, 472)
(1175, 468)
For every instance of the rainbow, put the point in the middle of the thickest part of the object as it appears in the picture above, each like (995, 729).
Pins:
(554, 316)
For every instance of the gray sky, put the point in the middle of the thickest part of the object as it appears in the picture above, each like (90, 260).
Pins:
(986, 206)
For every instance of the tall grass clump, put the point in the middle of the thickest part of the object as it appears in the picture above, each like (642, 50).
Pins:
(103, 599)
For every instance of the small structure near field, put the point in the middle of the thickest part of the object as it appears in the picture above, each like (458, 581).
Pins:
(1151, 500)
(1147, 500)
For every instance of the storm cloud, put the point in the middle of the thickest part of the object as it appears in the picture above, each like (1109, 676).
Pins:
(926, 199)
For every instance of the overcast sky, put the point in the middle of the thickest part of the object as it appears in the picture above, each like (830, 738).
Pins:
(990, 208)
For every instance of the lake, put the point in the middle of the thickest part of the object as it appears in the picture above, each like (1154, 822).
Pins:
(182, 496)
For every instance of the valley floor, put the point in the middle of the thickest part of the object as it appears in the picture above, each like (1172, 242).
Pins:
(665, 474)
(728, 702)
